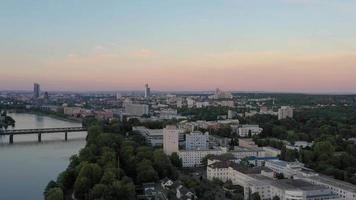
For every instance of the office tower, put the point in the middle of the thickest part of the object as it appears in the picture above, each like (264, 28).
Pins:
(36, 90)
(147, 91)
(170, 139)
(46, 96)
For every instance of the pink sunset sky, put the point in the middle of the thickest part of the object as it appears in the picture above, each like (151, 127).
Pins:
(277, 45)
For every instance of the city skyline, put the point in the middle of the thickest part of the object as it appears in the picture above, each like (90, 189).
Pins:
(272, 46)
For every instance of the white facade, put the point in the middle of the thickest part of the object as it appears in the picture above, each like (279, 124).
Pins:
(197, 141)
(136, 109)
(240, 153)
(343, 190)
(271, 152)
(153, 136)
(170, 139)
(219, 94)
(202, 104)
(168, 114)
(246, 130)
(190, 102)
(285, 112)
(193, 158)
(72, 111)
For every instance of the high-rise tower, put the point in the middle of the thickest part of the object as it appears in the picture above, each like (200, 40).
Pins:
(147, 91)
(36, 90)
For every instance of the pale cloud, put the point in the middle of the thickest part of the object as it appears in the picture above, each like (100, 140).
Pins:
(143, 53)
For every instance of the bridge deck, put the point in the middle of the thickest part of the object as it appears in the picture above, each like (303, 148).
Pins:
(41, 130)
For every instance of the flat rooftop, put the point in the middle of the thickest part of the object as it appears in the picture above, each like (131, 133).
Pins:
(290, 184)
(334, 182)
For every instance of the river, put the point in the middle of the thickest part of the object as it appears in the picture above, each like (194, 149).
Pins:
(27, 166)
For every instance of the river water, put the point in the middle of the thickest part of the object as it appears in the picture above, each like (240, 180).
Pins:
(27, 166)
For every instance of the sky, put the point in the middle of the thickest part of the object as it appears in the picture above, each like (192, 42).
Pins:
(239, 45)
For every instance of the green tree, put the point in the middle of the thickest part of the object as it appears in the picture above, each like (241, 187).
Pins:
(145, 172)
(81, 187)
(66, 179)
(176, 161)
(276, 198)
(255, 196)
(124, 189)
(50, 185)
(55, 194)
(99, 191)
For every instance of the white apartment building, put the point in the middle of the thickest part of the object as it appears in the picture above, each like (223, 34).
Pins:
(168, 114)
(197, 141)
(72, 111)
(202, 104)
(170, 139)
(247, 129)
(240, 152)
(219, 94)
(136, 109)
(247, 143)
(193, 158)
(285, 112)
(190, 102)
(154, 137)
(230, 104)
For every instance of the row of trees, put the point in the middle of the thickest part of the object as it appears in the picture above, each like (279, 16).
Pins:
(110, 165)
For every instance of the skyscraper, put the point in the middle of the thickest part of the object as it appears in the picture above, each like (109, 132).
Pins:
(36, 90)
(147, 91)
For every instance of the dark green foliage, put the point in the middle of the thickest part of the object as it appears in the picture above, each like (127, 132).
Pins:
(107, 166)
(255, 196)
(55, 194)
(328, 127)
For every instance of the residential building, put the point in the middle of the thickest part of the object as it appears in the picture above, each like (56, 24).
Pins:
(248, 130)
(247, 143)
(219, 94)
(285, 112)
(168, 114)
(72, 111)
(154, 137)
(170, 139)
(136, 109)
(242, 152)
(193, 158)
(197, 141)
(270, 151)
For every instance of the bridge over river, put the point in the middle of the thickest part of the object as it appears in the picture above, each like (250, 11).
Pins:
(40, 131)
